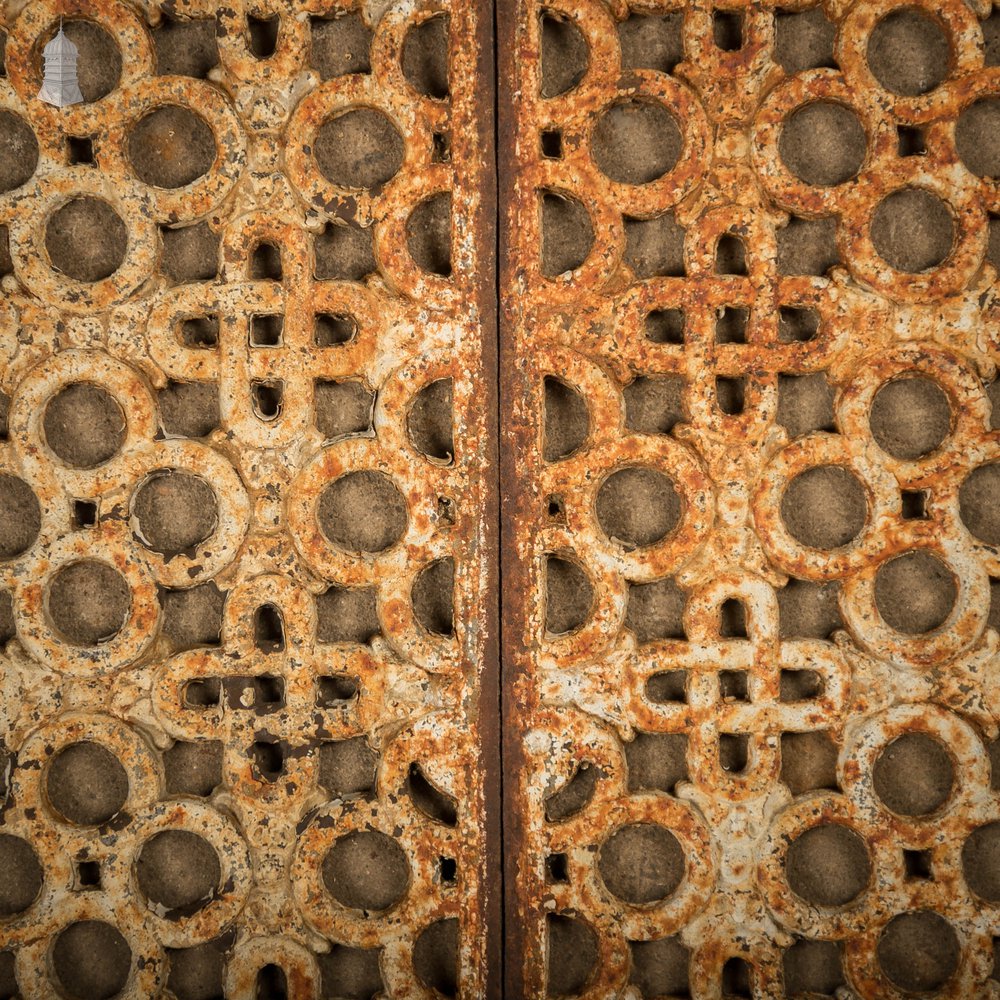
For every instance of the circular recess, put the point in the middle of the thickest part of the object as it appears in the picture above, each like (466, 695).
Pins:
(915, 592)
(638, 506)
(88, 602)
(18, 151)
(823, 143)
(908, 52)
(366, 870)
(569, 596)
(918, 951)
(913, 230)
(828, 865)
(20, 516)
(641, 863)
(91, 960)
(914, 775)
(636, 142)
(174, 511)
(86, 784)
(171, 147)
(84, 425)
(977, 137)
(86, 239)
(824, 507)
(177, 868)
(910, 417)
(981, 861)
(978, 504)
(362, 512)
(358, 149)
(22, 875)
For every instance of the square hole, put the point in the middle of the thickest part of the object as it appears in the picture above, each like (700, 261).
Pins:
(668, 686)
(448, 870)
(80, 150)
(556, 868)
(552, 144)
(265, 330)
(555, 507)
(84, 513)
(797, 324)
(734, 752)
(914, 505)
(200, 331)
(343, 408)
(334, 690)
(731, 325)
(911, 141)
(347, 767)
(441, 153)
(88, 875)
(800, 685)
(268, 760)
(917, 865)
(269, 692)
(445, 510)
(267, 397)
(331, 329)
(727, 30)
(733, 685)
(203, 693)
(733, 619)
(665, 326)
(730, 394)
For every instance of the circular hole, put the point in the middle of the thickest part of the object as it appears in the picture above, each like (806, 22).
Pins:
(20, 516)
(977, 137)
(908, 52)
(918, 951)
(915, 592)
(86, 784)
(641, 863)
(22, 875)
(18, 151)
(981, 861)
(358, 149)
(174, 511)
(823, 143)
(177, 868)
(569, 596)
(977, 499)
(84, 425)
(171, 147)
(88, 602)
(366, 870)
(828, 865)
(99, 62)
(435, 956)
(86, 239)
(428, 234)
(824, 507)
(910, 417)
(362, 512)
(92, 961)
(913, 775)
(636, 142)
(425, 56)
(638, 506)
(912, 230)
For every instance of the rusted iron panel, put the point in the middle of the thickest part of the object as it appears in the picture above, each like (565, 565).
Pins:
(826, 825)
(220, 370)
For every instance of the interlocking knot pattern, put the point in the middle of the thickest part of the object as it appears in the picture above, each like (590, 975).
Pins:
(734, 914)
(271, 691)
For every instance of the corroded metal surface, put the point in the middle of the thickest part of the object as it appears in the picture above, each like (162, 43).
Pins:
(412, 693)
(576, 700)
